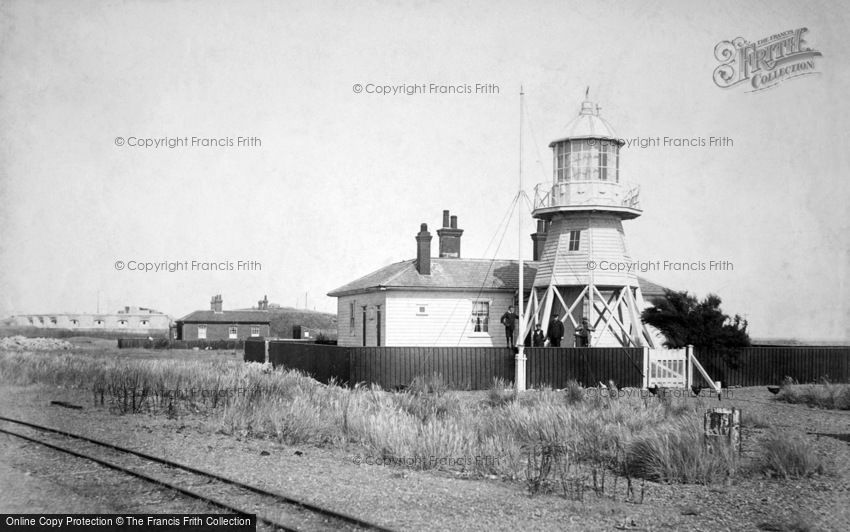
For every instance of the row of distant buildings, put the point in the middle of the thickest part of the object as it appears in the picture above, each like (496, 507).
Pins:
(213, 324)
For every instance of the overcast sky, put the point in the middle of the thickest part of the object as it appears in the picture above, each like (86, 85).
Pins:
(342, 180)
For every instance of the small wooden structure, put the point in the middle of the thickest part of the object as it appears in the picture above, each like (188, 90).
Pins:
(723, 426)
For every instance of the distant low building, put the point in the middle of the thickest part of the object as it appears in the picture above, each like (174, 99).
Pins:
(131, 320)
(219, 324)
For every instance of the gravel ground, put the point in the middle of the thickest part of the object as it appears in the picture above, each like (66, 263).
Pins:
(411, 500)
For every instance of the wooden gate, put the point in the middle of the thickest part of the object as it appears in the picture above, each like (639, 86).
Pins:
(673, 368)
(666, 368)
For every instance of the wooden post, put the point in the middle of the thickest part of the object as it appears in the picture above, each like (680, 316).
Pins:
(645, 367)
(266, 358)
(689, 367)
(723, 425)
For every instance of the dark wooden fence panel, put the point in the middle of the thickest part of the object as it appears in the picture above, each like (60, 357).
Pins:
(472, 368)
(322, 362)
(255, 351)
(165, 343)
(760, 366)
(475, 368)
(556, 366)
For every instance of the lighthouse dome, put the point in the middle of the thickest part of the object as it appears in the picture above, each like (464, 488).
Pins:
(588, 124)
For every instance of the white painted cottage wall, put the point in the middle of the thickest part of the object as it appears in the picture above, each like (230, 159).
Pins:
(447, 320)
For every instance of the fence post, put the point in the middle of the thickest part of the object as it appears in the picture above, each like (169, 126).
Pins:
(266, 348)
(645, 367)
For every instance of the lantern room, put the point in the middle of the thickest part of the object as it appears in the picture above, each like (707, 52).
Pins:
(586, 170)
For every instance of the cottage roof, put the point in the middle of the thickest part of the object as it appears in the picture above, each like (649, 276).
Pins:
(227, 316)
(457, 274)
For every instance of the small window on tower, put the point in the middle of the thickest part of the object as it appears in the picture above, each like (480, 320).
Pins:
(574, 240)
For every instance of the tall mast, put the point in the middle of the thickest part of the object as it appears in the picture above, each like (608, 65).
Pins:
(520, 355)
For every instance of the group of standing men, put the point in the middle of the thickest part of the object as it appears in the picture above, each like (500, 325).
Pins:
(554, 334)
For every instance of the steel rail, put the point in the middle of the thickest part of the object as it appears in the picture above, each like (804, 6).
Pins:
(279, 496)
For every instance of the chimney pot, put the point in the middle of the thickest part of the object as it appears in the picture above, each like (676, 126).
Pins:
(539, 240)
(423, 250)
(449, 236)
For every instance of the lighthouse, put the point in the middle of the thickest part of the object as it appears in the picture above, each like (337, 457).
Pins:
(583, 264)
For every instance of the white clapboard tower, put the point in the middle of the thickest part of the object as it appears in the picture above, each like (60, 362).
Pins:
(582, 211)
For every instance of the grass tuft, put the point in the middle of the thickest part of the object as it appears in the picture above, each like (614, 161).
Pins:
(680, 455)
(783, 455)
(825, 395)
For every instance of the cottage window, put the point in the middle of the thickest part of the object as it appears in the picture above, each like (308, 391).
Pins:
(98, 322)
(202, 332)
(232, 333)
(74, 322)
(122, 323)
(144, 322)
(575, 237)
(480, 316)
(421, 309)
(255, 330)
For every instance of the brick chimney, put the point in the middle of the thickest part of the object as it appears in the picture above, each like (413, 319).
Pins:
(263, 304)
(423, 250)
(449, 237)
(539, 239)
(215, 303)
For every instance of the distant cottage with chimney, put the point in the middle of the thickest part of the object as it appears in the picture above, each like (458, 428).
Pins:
(437, 301)
(219, 324)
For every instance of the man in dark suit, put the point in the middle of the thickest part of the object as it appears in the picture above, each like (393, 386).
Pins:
(556, 331)
(537, 337)
(509, 320)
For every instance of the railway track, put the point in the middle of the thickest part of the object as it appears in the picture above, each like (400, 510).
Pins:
(274, 511)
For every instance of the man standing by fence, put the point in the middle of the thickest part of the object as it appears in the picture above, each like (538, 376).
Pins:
(537, 337)
(583, 334)
(556, 331)
(509, 320)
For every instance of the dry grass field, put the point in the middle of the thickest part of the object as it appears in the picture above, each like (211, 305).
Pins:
(596, 458)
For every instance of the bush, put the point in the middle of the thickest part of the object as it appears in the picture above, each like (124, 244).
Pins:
(680, 455)
(501, 393)
(825, 395)
(787, 456)
(427, 384)
(574, 391)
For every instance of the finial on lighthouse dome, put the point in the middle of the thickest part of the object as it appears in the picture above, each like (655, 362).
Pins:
(588, 124)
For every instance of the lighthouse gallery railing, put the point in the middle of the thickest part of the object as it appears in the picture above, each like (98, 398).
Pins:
(591, 192)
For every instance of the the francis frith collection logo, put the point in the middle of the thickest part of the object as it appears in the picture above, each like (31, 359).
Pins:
(764, 63)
